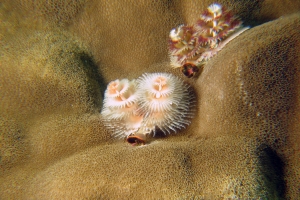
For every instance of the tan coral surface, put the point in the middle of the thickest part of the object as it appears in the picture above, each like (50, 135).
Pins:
(57, 57)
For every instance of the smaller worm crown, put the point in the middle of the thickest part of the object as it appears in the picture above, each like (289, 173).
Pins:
(194, 45)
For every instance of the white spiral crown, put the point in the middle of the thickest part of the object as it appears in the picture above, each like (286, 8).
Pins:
(155, 100)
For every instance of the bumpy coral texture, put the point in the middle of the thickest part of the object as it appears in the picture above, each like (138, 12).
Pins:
(57, 58)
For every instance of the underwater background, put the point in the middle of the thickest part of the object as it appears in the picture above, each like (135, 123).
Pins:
(57, 57)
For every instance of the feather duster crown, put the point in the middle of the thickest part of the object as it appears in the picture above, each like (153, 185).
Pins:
(191, 46)
(154, 101)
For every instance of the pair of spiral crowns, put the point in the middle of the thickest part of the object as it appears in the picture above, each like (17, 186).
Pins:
(191, 46)
(155, 101)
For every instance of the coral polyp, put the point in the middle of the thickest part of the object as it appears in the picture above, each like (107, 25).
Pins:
(155, 101)
(197, 43)
(165, 102)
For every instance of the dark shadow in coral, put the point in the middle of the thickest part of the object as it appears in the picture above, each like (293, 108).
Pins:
(157, 133)
(272, 168)
(253, 9)
(92, 72)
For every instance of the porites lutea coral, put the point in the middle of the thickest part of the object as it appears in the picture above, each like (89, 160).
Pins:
(156, 164)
